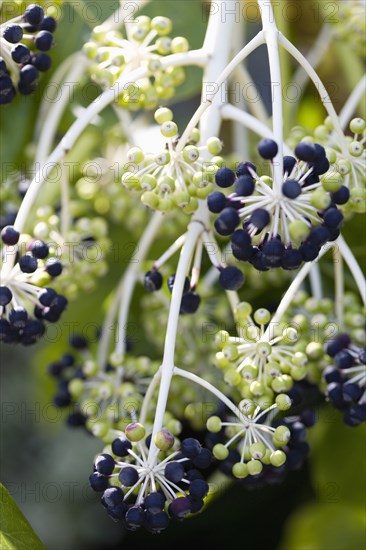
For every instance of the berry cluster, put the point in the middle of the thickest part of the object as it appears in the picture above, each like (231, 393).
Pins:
(101, 398)
(23, 291)
(264, 360)
(20, 63)
(146, 43)
(350, 25)
(153, 281)
(346, 378)
(281, 227)
(148, 496)
(348, 161)
(173, 178)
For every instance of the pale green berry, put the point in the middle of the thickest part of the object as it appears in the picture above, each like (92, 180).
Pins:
(298, 373)
(169, 129)
(221, 339)
(320, 199)
(290, 335)
(314, 350)
(165, 204)
(149, 198)
(90, 368)
(299, 230)
(163, 114)
(200, 180)
(214, 424)
(278, 458)
(272, 369)
(254, 467)
(192, 206)
(220, 451)
(190, 153)
(262, 316)
(166, 184)
(148, 182)
(232, 377)
(331, 155)
(329, 123)
(174, 426)
(299, 359)
(161, 25)
(249, 372)
(240, 470)
(321, 132)
(131, 181)
(105, 390)
(180, 44)
(331, 181)
(344, 167)
(181, 198)
(356, 148)
(203, 192)
(243, 310)
(357, 125)
(214, 145)
(358, 199)
(282, 383)
(76, 387)
(195, 135)
(267, 457)
(230, 352)
(257, 450)
(90, 49)
(264, 401)
(283, 402)
(135, 431)
(99, 428)
(281, 436)
(163, 45)
(164, 440)
(257, 388)
(263, 349)
(163, 158)
(247, 406)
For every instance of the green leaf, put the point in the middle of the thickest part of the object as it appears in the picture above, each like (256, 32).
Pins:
(16, 532)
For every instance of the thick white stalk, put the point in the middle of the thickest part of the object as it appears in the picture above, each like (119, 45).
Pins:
(354, 267)
(271, 33)
(130, 277)
(316, 281)
(323, 94)
(149, 395)
(352, 102)
(339, 285)
(230, 112)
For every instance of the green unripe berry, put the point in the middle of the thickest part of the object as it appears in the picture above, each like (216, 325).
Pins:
(257, 450)
(283, 402)
(282, 383)
(130, 180)
(272, 369)
(195, 135)
(356, 148)
(180, 44)
(320, 199)
(135, 431)
(331, 155)
(76, 387)
(149, 198)
(243, 311)
(249, 372)
(164, 440)
(240, 470)
(358, 200)
(169, 129)
(162, 159)
(214, 146)
(161, 25)
(166, 184)
(220, 451)
(357, 125)
(221, 339)
(190, 153)
(163, 45)
(262, 316)
(298, 373)
(98, 429)
(165, 204)
(299, 230)
(263, 349)
(163, 114)
(344, 167)
(148, 182)
(247, 406)
(281, 435)
(314, 350)
(257, 388)
(278, 458)
(230, 352)
(254, 467)
(299, 359)
(181, 198)
(219, 161)
(232, 377)
(214, 424)
(90, 368)
(136, 155)
(331, 181)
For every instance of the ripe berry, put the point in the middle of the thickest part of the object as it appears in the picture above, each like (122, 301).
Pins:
(319, 235)
(42, 61)
(128, 476)
(305, 151)
(44, 41)
(48, 24)
(134, 517)
(243, 168)
(273, 251)
(28, 264)
(113, 496)
(5, 296)
(198, 488)
(53, 267)
(227, 221)
(13, 34)
(231, 278)
(267, 148)
(190, 303)
(153, 280)
(244, 185)
(39, 249)
(28, 75)
(187, 284)
(174, 471)
(216, 202)
(9, 235)
(18, 317)
(190, 447)
(224, 177)
(21, 54)
(120, 447)
(288, 164)
(98, 482)
(154, 502)
(341, 196)
(309, 251)
(291, 189)
(104, 464)
(34, 14)
(156, 522)
(180, 507)
(332, 347)
(292, 259)
(333, 218)
(7, 94)
(260, 218)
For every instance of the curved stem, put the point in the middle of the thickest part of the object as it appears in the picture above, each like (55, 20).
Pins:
(353, 265)
(148, 396)
(316, 281)
(257, 108)
(339, 285)
(352, 102)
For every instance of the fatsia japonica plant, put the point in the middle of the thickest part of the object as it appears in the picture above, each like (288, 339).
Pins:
(240, 306)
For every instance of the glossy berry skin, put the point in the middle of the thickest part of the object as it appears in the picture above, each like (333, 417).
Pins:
(333, 218)
(291, 189)
(305, 151)
(134, 518)
(231, 278)
(154, 502)
(28, 264)
(174, 471)
(190, 303)
(273, 250)
(267, 148)
(53, 267)
(153, 281)
(98, 482)
(104, 464)
(260, 218)
(128, 476)
(224, 177)
(120, 447)
(44, 41)
(227, 221)
(42, 62)
(191, 447)
(292, 259)
(180, 507)
(48, 24)
(216, 202)
(13, 34)
(341, 196)
(39, 249)
(21, 54)
(34, 14)
(9, 235)
(187, 284)
(112, 497)
(243, 168)
(28, 75)
(288, 164)
(198, 488)
(244, 185)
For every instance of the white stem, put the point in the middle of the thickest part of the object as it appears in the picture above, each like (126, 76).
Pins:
(339, 285)
(230, 112)
(271, 34)
(352, 102)
(170, 252)
(148, 396)
(65, 201)
(316, 281)
(323, 94)
(353, 265)
(209, 387)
